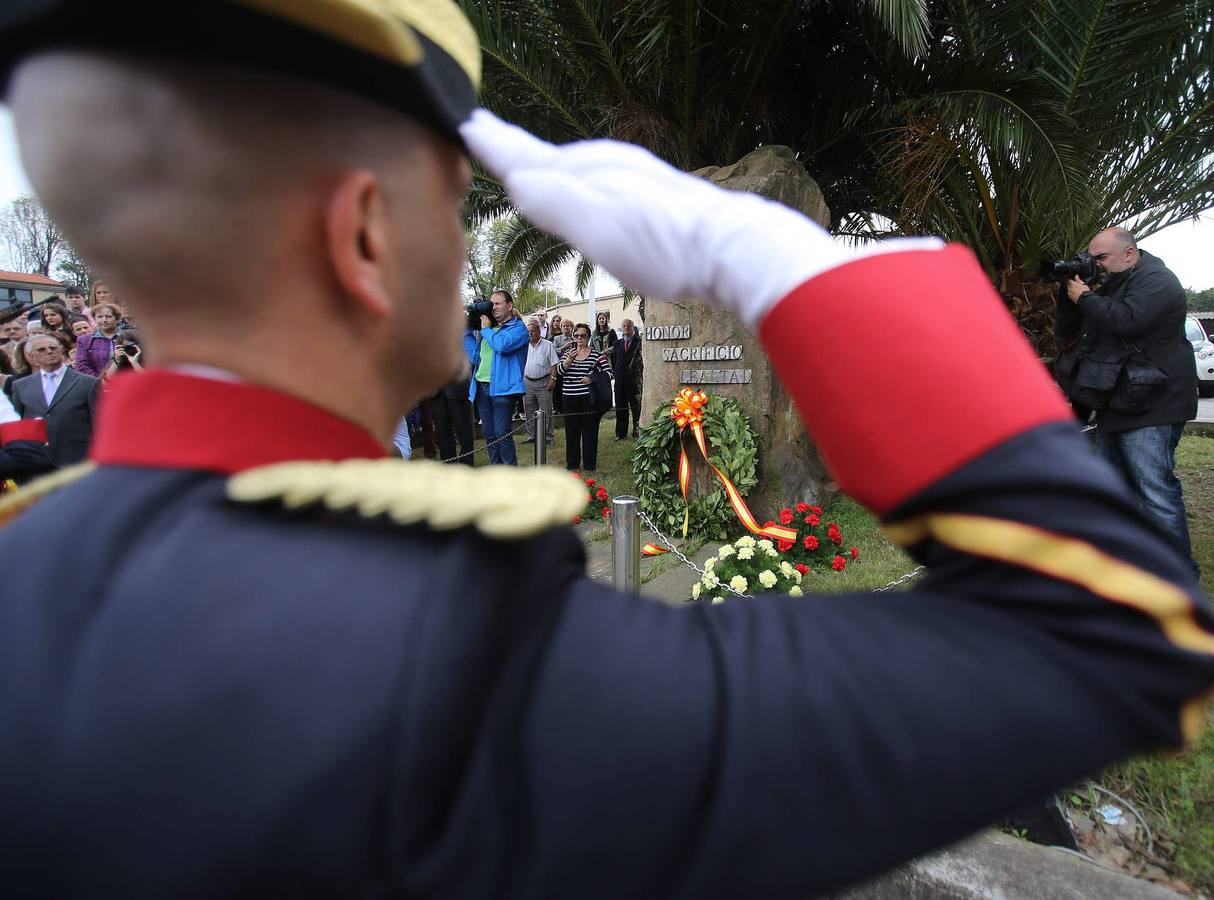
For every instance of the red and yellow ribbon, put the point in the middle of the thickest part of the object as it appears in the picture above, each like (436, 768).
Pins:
(688, 412)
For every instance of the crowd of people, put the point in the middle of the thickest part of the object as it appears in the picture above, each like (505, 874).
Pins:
(55, 358)
(519, 367)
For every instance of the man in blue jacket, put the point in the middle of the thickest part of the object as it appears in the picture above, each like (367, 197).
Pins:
(498, 380)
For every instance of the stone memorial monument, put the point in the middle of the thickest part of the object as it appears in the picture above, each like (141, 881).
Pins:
(689, 344)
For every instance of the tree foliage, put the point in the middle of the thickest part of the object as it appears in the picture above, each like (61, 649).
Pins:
(1200, 301)
(33, 241)
(1019, 127)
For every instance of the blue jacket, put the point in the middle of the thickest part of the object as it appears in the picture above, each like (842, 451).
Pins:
(509, 343)
(472, 350)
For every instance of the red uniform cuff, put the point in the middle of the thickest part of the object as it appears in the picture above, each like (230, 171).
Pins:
(906, 366)
(24, 430)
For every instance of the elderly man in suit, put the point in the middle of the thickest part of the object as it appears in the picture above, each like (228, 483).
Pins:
(62, 396)
(628, 369)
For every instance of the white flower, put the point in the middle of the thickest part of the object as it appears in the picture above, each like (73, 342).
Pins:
(796, 576)
(767, 578)
(794, 591)
(738, 583)
(745, 553)
(725, 552)
(787, 570)
(773, 554)
(709, 580)
(695, 591)
(716, 600)
(744, 541)
(710, 564)
(765, 545)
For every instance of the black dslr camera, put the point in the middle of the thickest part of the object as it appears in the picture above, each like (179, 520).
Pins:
(481, 307)
(1082, 266)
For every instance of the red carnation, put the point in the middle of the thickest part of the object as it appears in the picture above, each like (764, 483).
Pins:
(601, 493)
(802, 568)
(854, 552)
(606, 512)
(591, 482)
(816, 510)
(786, 516)
(802, 507)
(834, 534)
(783, 546)
(577, 520)
(812, 520)
(810, 542)
(838, 564)
(768, 524)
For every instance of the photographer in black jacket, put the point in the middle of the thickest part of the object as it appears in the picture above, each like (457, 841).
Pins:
(1137, 369)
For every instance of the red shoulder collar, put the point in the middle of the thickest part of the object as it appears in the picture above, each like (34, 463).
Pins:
(169, 420)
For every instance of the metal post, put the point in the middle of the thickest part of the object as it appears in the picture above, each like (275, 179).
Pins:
(541, 438)
(625, 544)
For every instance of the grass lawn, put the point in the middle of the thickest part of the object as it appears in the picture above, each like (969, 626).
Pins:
(1176, 792)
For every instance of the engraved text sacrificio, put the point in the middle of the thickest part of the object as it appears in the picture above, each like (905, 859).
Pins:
(707, 353)
(715, 376)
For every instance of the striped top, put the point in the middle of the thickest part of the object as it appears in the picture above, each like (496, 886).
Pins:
(578, 369)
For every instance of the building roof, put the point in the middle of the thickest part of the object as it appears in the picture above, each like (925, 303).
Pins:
(34, 280)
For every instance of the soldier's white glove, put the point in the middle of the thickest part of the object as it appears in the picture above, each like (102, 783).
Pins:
(662, 232)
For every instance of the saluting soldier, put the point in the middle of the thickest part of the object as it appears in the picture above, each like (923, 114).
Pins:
(283, 664)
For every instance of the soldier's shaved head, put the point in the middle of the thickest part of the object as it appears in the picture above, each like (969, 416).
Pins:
(206, 190)
(143, 162)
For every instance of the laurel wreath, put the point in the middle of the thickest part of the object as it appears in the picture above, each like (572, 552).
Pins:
(733, 448)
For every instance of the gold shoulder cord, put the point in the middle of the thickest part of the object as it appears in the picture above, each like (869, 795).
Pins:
(499, 501)
(23, 498)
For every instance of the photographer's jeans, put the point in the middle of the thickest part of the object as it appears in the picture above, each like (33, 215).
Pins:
(1147, 459)
(496, 415)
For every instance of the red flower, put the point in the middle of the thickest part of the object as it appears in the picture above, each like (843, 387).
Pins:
(834, 534)
(768, 523)
(812, 520)
(786, 516)
(810, 542)
(816, 510)
(802, 568)
(784, 546)
(591, 482)
(577, 520)
(606, 512)
(838, 564)
(854, 552)
(802, 507)
(601, 493)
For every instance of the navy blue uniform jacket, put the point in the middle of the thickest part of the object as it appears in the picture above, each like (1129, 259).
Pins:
(216, 699)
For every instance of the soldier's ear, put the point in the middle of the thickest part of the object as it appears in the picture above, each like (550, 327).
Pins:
(356, 233)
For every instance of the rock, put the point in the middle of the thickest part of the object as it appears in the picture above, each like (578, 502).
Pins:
(678, 332)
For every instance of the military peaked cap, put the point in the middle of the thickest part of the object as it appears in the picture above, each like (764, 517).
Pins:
(417, 56)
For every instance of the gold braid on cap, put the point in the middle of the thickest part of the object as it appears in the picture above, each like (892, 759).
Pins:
(386, 28)
(499, 501)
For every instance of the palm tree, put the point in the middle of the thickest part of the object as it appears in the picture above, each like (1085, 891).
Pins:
(1018, 127)
(698, 83)
(1031, 124)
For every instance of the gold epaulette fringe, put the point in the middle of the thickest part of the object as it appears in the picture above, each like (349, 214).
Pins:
(25, 497)
(499, 501)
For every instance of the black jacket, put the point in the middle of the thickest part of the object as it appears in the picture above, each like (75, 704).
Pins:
(69, 418)
(1137, 317)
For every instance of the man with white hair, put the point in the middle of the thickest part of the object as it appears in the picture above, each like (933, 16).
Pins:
(539, 379)
(283, 664)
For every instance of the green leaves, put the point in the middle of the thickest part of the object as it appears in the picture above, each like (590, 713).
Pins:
(733, 448)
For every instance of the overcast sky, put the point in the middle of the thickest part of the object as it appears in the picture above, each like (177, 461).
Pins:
(1187, 248)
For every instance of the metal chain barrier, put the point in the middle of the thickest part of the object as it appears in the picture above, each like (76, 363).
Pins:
(903, 579)
(519, 427)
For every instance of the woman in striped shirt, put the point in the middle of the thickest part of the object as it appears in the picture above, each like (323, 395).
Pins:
(577, 401)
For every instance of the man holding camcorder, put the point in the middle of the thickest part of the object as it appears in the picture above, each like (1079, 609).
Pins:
(1135, 369)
